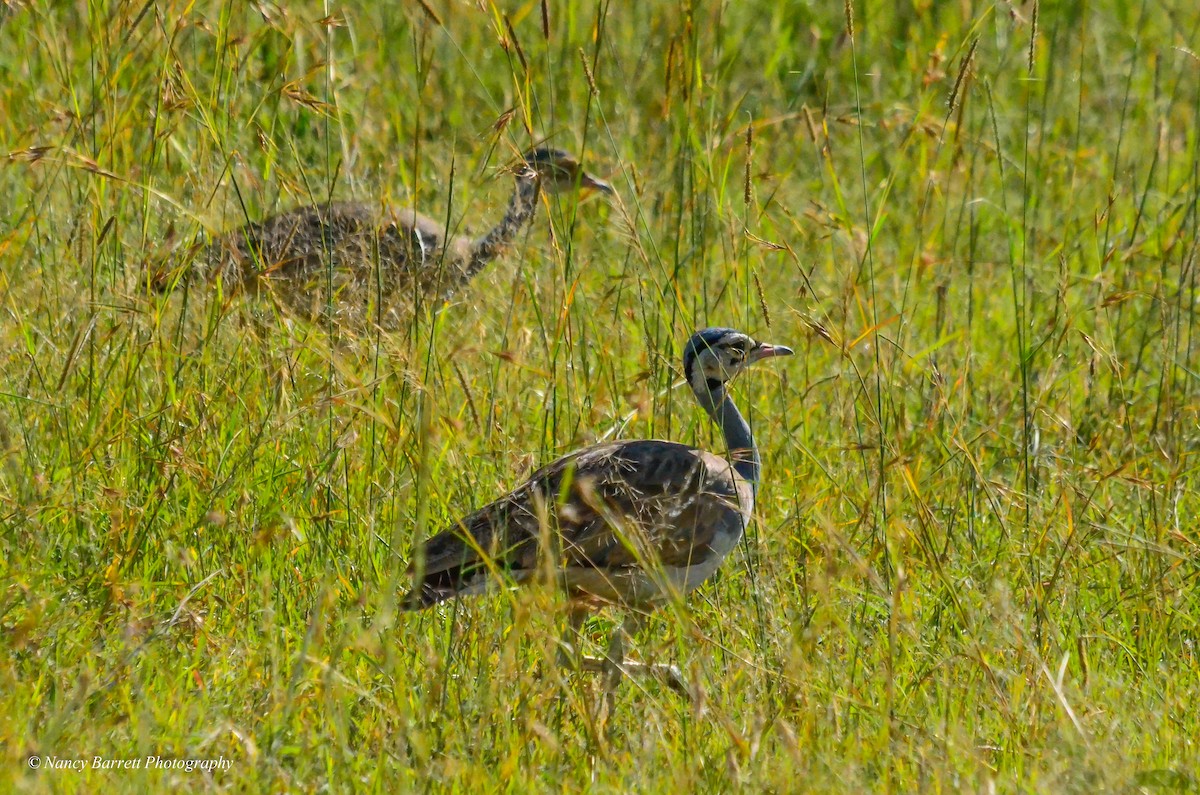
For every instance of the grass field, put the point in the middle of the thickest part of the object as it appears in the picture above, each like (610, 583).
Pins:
(974, 565)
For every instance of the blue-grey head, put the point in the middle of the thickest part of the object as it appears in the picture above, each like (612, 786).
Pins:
(715, 356)
(559, 172)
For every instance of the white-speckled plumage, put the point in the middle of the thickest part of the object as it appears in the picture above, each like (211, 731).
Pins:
(366, 253)
(629, 523)
(632, 524)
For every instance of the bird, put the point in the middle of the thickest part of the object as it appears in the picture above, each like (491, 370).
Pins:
(290, 254)
(631, 524)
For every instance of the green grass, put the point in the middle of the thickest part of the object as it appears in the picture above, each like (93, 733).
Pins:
(975, 556)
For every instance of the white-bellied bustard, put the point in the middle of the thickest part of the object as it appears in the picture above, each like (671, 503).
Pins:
(366, 252)
(630, 524)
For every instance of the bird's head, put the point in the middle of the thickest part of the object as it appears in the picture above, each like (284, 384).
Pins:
(715, 356)
(559, 172)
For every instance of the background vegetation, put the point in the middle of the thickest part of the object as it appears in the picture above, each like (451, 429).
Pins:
(974, 566)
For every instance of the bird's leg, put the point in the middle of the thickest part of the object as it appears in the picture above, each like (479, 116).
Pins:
(670, 675)
(569, 655)
(610, 663)
(614, 665)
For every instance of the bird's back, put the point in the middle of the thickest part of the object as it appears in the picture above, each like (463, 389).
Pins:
(298, 243)
(366, 253)
(627, 522)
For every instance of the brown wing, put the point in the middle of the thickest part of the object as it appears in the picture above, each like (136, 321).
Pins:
(287, 245)
(421, 232)
(435, 267)
(296, 244)
(611, 508)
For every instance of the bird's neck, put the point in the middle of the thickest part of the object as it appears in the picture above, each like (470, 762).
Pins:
(520, 209)
(738, 438)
